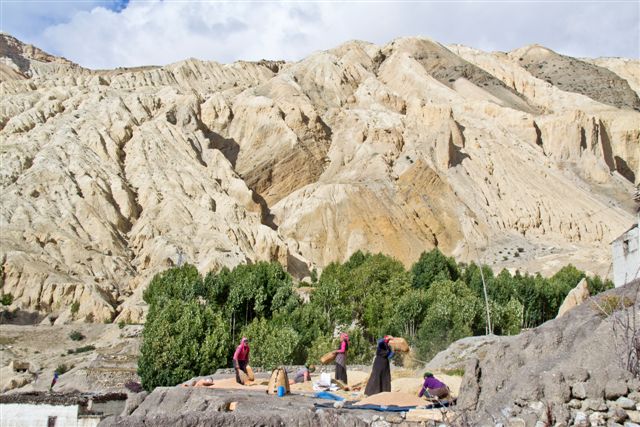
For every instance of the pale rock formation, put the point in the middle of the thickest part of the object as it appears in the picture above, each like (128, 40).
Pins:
(21, 60)
(628, 69)
(576, 296)
(11, 381)
(111, 176)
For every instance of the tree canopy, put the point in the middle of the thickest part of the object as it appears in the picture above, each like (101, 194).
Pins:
(194, 323)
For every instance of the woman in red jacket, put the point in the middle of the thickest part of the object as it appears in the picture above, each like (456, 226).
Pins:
(241, 358)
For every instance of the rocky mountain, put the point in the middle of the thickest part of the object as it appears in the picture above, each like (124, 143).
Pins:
(526, 159)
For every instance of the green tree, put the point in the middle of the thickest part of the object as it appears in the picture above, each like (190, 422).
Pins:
(506, 318)
(319, 346)
(473, 278)
(310, 324)
(183, 283)
(181, 339)
(452, 311)
(274, 345)
(409, 310)
(193, 324)
(250, 291)
(361, 351)
(6, 299)
(597, 285)
(362, 291)
(568, 277)
(502, 288)
(332, 298)
(432, 266)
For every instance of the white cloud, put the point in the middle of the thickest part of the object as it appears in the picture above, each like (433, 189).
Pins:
(159, 32)
(27, 19)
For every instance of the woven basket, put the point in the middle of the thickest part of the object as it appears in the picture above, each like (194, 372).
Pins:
(328, 358)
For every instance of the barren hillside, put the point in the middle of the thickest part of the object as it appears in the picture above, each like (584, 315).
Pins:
(525, 159)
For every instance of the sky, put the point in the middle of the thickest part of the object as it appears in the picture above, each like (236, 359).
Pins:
(118, 33)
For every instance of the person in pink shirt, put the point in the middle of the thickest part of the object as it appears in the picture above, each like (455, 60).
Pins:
(241, 358)
(341, 358)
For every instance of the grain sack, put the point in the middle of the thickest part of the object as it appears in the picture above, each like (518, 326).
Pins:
(250, 374)
(399, 345)
(328, 358)
(278, 378)
(244, 378)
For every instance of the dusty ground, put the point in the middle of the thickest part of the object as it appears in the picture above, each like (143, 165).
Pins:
(45, 348)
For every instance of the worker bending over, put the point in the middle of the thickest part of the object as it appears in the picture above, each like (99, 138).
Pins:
(432, 387)
(241, 359)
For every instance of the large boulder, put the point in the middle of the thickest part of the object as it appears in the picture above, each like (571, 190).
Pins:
(576, 296)
(187, 406)
(573, 361)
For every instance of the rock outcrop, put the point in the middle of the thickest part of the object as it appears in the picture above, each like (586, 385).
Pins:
(198, 406)
(576, 296)
(111, 176)
(581, 366)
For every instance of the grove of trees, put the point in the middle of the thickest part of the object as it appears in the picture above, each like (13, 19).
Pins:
(195, 322)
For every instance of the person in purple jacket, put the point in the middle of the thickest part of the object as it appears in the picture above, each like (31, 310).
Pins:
(432, 387)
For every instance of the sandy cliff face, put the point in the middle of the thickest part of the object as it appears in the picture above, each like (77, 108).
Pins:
(110, 176)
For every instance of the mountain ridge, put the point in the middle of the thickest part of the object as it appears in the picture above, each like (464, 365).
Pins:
(112, 175)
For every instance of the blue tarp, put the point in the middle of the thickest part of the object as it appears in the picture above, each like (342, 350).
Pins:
(387, 408)
(329, 396)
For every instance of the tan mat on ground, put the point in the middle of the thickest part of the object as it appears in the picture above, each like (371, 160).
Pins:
(413, 384)
(393, 398)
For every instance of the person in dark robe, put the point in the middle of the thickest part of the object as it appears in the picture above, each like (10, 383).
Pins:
(380, 378)
(241, 358)
(341, 358)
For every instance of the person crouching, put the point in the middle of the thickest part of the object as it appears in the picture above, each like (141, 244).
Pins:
(241, 359)
(432, 387)
(303, 374)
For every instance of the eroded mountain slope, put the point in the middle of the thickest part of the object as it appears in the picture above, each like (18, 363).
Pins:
(109, 176)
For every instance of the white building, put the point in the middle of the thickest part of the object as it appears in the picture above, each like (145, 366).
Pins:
(42, 415)
(38, 409)
(626, 256)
